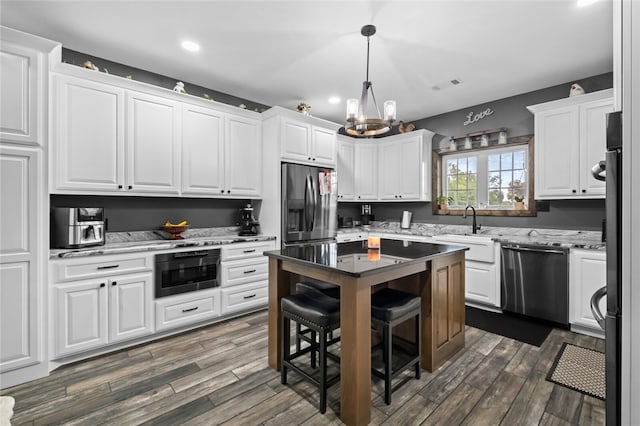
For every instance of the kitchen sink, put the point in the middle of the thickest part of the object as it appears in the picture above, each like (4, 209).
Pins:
(481, 247)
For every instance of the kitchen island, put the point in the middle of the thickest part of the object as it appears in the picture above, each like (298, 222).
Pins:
(433, 271)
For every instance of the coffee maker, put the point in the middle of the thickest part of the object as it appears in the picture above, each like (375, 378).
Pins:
(367, 214)
(75, 227)
(248, 224)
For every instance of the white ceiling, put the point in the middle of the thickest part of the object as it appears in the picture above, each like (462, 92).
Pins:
(286, 52)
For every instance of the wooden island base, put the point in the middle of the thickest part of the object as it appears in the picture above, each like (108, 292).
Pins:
(439, 280)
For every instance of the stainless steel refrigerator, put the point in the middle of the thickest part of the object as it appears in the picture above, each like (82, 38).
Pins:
(610, 170)
(309, 204)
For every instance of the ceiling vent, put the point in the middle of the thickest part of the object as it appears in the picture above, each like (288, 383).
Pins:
(447, 84)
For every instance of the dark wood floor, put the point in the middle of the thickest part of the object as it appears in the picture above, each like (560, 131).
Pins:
(219, 375)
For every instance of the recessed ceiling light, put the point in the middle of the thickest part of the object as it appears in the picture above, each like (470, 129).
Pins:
(191, 46)
(334, 100)
(582, 3)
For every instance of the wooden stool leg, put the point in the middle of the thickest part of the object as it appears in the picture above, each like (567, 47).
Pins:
(285, 350)
(417, 347)
(323, 370)
(387, 354)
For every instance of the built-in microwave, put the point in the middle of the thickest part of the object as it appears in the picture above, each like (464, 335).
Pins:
(186, 271)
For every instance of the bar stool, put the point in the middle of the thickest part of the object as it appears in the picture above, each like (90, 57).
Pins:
(321, 314)
(390, 307)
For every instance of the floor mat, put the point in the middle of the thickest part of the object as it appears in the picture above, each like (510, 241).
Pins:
(526, 330)
(580, 369)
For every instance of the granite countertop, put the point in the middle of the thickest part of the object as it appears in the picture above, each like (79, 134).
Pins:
(546, 237)
(140, 241)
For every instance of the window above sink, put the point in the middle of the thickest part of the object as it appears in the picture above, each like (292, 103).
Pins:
(495, 180)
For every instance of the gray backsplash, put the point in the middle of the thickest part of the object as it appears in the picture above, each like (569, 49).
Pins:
(149, 213)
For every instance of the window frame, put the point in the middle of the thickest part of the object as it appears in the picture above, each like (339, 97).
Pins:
(438, 165)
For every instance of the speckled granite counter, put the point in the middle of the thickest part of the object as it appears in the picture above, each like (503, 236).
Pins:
(131, 242)
(547, 237)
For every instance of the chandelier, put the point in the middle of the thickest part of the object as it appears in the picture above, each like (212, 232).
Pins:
(357, 122)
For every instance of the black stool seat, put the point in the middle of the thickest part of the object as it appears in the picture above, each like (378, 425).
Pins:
(314, 307)
(321, 315)
(390, 307)
(389, 304)
(327, 289)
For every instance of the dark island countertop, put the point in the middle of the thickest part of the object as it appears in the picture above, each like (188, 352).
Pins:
(357, 259)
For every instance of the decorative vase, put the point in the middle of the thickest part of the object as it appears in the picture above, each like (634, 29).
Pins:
(519, 205)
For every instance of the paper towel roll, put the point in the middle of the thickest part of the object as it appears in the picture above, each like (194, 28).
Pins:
(406, 220)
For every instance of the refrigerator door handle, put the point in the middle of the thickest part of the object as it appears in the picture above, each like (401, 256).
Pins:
(314, 204)
(309, 203)
(599, 171)
(595, 305)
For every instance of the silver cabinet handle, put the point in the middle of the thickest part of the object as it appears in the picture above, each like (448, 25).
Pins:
(595, 305)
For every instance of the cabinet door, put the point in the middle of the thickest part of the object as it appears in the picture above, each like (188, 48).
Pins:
(588, 272)
(593, 133)
(202, 151)
(153, 144)
(389, 170)
(323, 146)
(81, 316)
(556, 153)
(409, 169)
(130, 307)
(296, 140)
(88, 136)
(345, 170)
(366, 182)
(19, 98)
(481, 283)
(19, 259)
(243, 157)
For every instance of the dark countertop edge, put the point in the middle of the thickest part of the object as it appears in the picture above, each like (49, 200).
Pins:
(452, 249)
(154, 245)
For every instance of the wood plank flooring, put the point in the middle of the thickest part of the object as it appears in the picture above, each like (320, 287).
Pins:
(219, 375)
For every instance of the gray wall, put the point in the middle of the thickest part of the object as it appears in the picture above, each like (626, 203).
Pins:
(510, 113)
(148, 213)
(137, 74)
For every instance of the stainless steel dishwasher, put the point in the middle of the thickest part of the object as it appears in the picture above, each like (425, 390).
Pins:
(534, 281)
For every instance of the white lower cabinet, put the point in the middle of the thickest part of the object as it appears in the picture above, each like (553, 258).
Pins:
(244, 276)
(94, 313)
(102, 301)
(587, 273)
(187, 308)
(482, 269)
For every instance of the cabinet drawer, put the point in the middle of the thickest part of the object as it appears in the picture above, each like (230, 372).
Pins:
(182, 310)
(243, 272)
(99, 267)
(245, 297)
(246, 250)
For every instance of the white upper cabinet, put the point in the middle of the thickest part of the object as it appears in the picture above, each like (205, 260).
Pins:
(21, 68)
(303, 139)
(153, 144)
(394, 168)
(202, 151)
(346, 169)
(111, 139)
(243, 157)
(88, 137)
(570, 137)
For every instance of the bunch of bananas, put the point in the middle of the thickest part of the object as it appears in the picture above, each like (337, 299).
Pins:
(168, 224)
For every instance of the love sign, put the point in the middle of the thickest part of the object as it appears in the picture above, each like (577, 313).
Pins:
(471, 118)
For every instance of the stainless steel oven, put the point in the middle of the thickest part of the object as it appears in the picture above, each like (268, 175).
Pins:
(186, 271)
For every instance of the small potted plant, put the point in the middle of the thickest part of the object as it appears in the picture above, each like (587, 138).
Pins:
(518, 202)
(443, 202)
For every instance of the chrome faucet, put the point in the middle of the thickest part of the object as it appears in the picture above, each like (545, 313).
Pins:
(474, 226)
